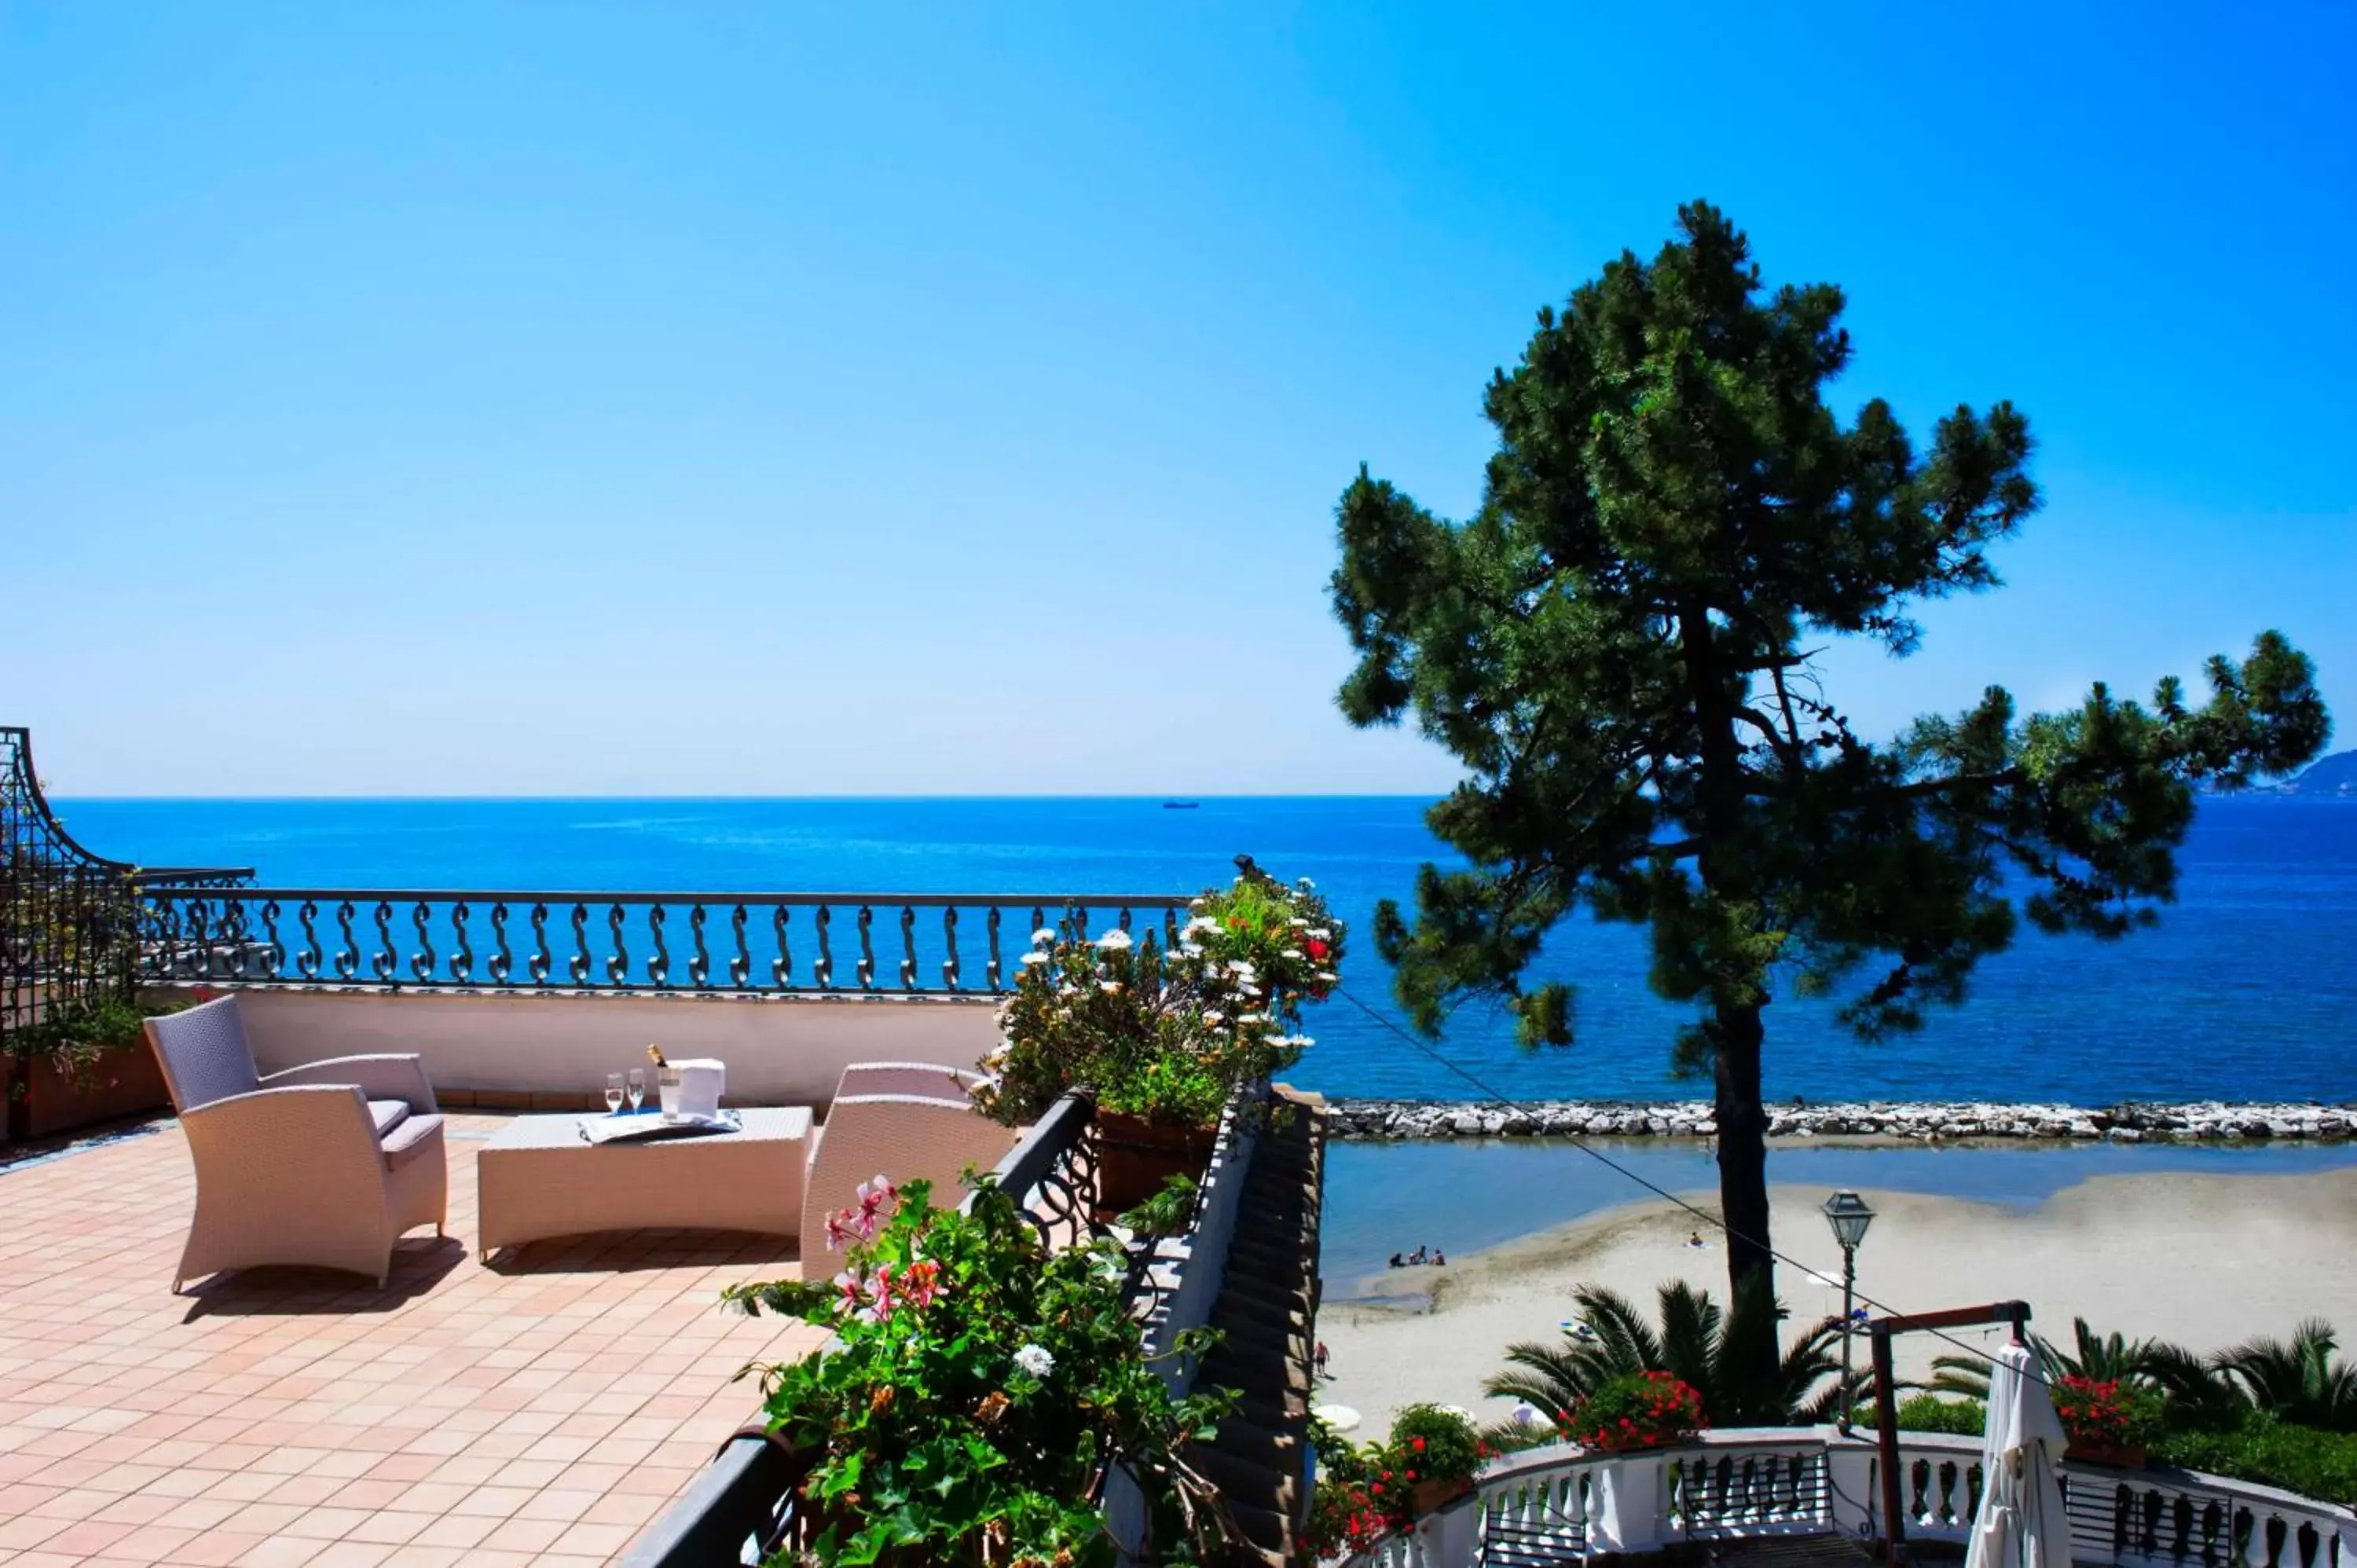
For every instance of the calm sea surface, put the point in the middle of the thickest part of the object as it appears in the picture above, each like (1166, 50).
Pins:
(2247, 990)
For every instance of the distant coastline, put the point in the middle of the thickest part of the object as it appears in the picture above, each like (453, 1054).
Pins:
(2200, 1121)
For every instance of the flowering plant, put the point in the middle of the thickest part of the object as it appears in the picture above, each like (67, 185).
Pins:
(1435, 1443)
(1366, 1493)
(2106, 1415)
(1637, 1409)
(974, 1389)
(1165, 1032)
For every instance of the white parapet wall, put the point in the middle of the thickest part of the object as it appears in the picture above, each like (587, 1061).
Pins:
(548, 1048)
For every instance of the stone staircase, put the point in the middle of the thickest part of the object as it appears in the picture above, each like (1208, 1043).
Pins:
(1267, 1313)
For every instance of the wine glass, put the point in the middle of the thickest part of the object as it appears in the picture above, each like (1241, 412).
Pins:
(637, 1088)
(613, 1093)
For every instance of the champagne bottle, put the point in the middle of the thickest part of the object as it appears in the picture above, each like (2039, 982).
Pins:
(654, 1055)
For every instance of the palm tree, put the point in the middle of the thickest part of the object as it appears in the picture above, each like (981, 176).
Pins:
(1696, 1342)
(2109, 1357)
(2296, 1380)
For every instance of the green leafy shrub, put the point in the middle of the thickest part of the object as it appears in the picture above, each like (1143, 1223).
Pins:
(1929, 1412)
(79, 1039)
(2315, 1463)
(976, 1389)
(1166, 1035)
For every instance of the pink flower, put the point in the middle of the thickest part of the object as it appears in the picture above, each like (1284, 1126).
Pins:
(880, 1305)
(841, 1226)
(848, 1284)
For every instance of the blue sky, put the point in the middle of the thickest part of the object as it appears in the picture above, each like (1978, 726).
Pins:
(439, 399)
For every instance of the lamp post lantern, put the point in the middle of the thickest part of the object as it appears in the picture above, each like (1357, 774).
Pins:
(1849, 1215)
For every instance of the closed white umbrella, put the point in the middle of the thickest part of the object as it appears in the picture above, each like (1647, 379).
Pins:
(2022, 1522)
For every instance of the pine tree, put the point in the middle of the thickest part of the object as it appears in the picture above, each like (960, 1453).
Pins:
(1621, 646)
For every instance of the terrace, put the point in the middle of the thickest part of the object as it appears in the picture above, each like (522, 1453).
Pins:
(559, 1400)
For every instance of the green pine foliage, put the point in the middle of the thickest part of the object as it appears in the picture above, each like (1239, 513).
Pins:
(1622, 646)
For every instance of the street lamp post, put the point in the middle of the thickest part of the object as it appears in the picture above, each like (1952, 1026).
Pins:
(1849, 1216)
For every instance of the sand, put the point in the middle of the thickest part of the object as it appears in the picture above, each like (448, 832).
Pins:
(2203, 1259)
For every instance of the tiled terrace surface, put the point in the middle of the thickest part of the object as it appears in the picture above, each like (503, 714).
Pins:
(541, 1409)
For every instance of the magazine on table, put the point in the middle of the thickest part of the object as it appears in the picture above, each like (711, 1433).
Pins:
(640, 1127)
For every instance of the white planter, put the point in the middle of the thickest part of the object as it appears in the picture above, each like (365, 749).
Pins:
(1628, 1514)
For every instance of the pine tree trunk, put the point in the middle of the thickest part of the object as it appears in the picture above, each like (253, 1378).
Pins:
(1735, 1025)
(1743, 1179)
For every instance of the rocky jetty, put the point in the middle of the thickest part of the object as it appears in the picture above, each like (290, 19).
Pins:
(2207, 1122)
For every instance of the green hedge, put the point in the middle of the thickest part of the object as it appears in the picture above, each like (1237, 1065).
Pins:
(2298, 1459)
(1928, 1412)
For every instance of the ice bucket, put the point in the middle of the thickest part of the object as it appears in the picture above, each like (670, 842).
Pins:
(702, 1082)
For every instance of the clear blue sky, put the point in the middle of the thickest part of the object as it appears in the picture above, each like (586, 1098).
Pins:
(946, 399)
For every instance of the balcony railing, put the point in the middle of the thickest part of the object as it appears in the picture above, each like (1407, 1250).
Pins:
(744, 1501)
(723, 943)
(1561, 1503)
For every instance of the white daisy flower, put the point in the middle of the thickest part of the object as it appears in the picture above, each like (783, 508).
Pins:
(1033, 959)
(1035, 1359)
(1296, 955)
(1329, 976)
(1045, 936)
(1215, 1017)
(1307, 886)
(1110, 987)
(1321, 934)
(1115, 940)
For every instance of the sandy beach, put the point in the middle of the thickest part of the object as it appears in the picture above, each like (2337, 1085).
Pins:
(2203, 1259)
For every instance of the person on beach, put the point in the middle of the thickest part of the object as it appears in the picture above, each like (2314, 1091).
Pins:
(1398, 1261)
(1417, 1257)
(1694, 1240)
(1439, 1259)
(1319, 1359)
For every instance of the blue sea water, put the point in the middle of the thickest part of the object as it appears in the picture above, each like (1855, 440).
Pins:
(2248, 988)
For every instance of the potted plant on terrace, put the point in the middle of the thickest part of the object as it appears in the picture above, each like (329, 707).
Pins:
(1434, 1449)
(1629, 1414)
(975, 1391)
(88, 1062)
(1165, 1036)
(2108, 1421)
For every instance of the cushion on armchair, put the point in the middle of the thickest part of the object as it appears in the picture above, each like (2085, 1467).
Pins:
(414, 1136)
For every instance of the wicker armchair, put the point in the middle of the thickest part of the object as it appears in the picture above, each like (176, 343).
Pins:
(325, 1165)
(904, 1120)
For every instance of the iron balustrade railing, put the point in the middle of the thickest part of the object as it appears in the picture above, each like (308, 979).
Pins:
(728, 943)
(745, 1498)
(69, 919)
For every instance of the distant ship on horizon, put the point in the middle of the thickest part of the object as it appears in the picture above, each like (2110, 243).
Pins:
(1182, 805)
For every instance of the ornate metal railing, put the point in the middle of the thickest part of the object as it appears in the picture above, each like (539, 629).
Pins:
(746, 1496)
(742, 943)
(69, 919)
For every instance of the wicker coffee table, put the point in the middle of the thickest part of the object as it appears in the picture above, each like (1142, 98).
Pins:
(540, 1179)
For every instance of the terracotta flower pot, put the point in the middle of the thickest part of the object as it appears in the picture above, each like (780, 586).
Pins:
(1135, 1157)
(44, 1099)
(1430, 1496)
(2127, 1458)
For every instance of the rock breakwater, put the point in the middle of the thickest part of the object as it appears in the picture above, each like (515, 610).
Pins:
(2205, 1121)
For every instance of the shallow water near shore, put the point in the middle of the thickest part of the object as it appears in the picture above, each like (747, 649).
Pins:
(1469, 1196)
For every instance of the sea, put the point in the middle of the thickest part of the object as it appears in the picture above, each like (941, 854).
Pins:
(2246, 989)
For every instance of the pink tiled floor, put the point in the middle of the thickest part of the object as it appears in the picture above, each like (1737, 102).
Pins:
(540, 1410)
